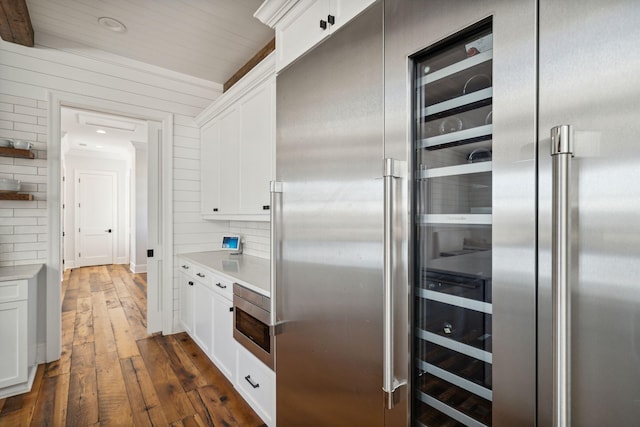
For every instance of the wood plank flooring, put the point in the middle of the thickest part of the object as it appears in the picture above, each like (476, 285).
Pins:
(112, 373)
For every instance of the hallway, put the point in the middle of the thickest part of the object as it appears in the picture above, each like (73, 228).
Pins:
(112, 374)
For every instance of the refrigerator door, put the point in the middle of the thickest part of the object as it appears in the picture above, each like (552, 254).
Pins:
(471, 219)
(590, 79)
(330, 283)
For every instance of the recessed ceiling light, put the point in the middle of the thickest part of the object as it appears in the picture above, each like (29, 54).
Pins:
(112, 24)
(100, 131)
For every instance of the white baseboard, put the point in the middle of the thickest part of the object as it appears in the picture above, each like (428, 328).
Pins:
(139, 268)
(69, 263)
(41, 353)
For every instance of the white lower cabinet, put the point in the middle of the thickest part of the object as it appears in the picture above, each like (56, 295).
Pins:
(13, 352)
(203, 321)
(186, 302)
(206, 314)
(257, 384)
(224, 345)
(18, 317)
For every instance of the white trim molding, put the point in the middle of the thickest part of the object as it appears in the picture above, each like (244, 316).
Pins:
(137, 268)
(272, 11)
(264, 70)
(57, 100)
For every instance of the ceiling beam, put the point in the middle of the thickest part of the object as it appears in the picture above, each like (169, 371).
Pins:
(15, 23)
(263, 53)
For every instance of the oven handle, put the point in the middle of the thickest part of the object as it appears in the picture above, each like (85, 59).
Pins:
(276, 221)
(561, 154)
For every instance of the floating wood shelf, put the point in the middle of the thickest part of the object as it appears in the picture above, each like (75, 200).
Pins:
(15, 152)
(16, 196)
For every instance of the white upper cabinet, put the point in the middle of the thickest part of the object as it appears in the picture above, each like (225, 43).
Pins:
(300, 25)
(258, 127)
(237, 151)
(230, 161)
(210, 168)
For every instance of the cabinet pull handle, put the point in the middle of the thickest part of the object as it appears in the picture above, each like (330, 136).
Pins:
(231, 309)
(199, 274)
(190, 283)
(265, 207)
(186, 267)
(331, 19)
(561, 153)
(250, 381)
(323, 24)
(215, 209)
(221, 286)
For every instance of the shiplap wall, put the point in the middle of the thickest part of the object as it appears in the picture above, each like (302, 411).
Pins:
(23, 224)
(26, 77)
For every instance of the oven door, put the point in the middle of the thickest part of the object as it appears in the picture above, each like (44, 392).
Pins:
(251, 329)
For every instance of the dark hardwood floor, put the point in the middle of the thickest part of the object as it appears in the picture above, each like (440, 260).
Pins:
(112, 373)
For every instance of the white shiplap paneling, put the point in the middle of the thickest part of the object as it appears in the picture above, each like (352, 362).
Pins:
(28, 75)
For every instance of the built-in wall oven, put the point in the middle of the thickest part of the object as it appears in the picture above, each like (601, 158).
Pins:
(251, 323)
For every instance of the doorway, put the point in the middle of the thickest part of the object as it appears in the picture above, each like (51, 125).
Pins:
(159, 140)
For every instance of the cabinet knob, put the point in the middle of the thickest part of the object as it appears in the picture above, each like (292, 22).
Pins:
(231, 309)
(215, 209)
(265, 207)
(331, 19)
(323, 24)
(190, 283)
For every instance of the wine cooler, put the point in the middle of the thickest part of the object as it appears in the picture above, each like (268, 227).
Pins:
(452, 372)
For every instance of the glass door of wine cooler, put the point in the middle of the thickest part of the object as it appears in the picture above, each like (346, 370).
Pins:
(452, 366)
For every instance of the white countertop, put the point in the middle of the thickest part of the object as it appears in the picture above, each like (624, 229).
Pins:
(249, 271)
(19, 272)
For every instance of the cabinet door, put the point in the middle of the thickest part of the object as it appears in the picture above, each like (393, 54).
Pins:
(186, 303)
(224, 345)
(257, 150)
(13, 336)
(301, 30)
(229, 168)
(203, 316)
(210, 167)
(346, 10)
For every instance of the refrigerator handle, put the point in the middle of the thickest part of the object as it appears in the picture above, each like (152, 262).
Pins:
(561, 153)
(275, 214)
(393, 170)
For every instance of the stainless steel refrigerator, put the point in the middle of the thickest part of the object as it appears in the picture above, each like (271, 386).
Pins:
(456, 218)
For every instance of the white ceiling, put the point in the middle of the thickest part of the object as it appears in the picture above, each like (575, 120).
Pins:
(208, 39)
(81, 137)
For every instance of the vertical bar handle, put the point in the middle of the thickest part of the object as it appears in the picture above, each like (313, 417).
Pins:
(393, 170)
(275, 218)
(561, 153)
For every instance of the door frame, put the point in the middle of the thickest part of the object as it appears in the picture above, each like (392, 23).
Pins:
(78, 214)
(56, 101)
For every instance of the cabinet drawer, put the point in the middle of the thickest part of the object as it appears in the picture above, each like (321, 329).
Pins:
(196, 272)
(14, 290)
(256, 382)
(222, 286)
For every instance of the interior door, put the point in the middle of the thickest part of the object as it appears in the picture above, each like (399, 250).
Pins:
(154, 228)
(96, 217)
(589, 79)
